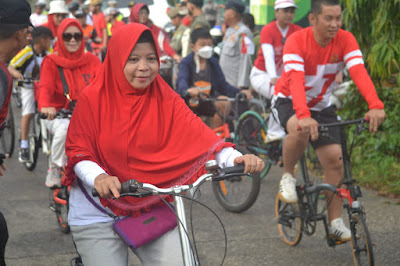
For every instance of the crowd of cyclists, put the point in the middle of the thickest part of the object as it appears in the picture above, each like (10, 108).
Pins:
(295, 69)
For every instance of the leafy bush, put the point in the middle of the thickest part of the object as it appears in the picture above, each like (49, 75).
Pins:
(376, 157)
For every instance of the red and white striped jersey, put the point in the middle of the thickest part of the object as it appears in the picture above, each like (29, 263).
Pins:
(310, 70)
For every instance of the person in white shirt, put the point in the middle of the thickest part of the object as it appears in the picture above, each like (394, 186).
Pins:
(39, 18)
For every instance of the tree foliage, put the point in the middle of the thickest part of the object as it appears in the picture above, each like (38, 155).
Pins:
(376, 26)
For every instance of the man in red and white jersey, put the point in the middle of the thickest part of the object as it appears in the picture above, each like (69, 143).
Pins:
(312, 57)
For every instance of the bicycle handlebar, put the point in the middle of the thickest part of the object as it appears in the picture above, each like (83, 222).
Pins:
(62, 113)
(206, 97)
(133, 187)
(26, 81)
(322, 127)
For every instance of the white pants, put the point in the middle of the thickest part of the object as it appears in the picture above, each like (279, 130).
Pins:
(99, 245)
(28, 101)
(58, 128)
(260, 81)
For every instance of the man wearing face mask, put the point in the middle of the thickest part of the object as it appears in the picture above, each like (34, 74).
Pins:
(200, 72)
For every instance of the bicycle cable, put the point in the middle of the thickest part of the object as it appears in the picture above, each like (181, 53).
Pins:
(219, 220)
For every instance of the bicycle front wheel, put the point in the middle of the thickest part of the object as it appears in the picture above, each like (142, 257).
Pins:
(7, 138)
(250, 133)
(34, 144)
(361, 242)
(289, 221)
(61, 208)
(238, 193)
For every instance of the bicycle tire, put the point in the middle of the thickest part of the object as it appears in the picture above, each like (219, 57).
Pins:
(254, 142)
(237, 194)
(34, 145)
(290, 224)
(61, 210)
(361, 242)
(7, 137)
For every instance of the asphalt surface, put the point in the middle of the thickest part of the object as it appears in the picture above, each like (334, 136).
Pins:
(252, 236)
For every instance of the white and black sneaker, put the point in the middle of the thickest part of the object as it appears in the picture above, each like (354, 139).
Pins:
(23, 155)
(287, 189)
(339, 231)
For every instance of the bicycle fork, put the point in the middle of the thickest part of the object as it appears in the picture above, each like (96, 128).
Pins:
(185, 243)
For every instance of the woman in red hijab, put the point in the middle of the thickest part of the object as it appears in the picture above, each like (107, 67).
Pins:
(79, 68)
(140, 14)
(129, 124)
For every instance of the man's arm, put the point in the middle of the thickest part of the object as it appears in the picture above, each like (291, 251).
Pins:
(246, 50)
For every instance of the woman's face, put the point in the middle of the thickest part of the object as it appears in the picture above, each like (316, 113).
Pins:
(72, 38)
(141, 68)
(58, 18)
(143, 16)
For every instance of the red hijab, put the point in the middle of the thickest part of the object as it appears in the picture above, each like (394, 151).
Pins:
(149, 135)
(134, 17)
(70, 62)
(51, 25)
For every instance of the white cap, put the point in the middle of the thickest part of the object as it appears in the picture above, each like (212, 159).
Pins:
(58, 6)
(284, 4)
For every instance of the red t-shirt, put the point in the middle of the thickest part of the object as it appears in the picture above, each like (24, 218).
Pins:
(51, 88)
(99, 23)
(271, 34)
(5, 91)
(310, 70)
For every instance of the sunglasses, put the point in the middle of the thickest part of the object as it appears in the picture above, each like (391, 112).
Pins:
(68, 36)
(283, 40)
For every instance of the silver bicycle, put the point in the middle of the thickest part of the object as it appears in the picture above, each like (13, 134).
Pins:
(214, 173)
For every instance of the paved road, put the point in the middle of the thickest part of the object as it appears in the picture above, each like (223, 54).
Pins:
(253, 238)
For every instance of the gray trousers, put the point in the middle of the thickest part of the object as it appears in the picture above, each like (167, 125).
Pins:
(98, 245)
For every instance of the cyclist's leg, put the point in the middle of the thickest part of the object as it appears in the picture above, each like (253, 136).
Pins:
(260, 81)
(224, 108)
(294, 145)
(58, 128)
(165, 250)
(330, 159)
(99, 245)
(329, 153)
(28, 109)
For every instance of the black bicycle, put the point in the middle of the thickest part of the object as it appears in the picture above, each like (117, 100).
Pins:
(294, 219)
(7, 134)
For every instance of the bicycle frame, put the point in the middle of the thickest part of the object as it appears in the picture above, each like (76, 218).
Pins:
(351, 192)
(130, 188)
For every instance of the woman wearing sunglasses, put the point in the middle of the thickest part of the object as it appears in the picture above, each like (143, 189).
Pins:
(64, 75)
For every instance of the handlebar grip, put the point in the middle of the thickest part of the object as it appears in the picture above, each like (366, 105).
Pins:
(234, 169)
(129, 186)
(43, 116)
(95, 193)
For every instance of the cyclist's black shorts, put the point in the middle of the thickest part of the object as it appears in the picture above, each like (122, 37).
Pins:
(205, 108)
(284, 106)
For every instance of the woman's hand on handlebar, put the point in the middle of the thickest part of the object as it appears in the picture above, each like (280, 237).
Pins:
(107, 186)
(50, 112)
(252, 163)
(375, 118)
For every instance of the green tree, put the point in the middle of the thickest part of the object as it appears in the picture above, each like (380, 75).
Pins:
(376, 26)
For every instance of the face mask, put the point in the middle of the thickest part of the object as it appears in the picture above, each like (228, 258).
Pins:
(205, 52)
